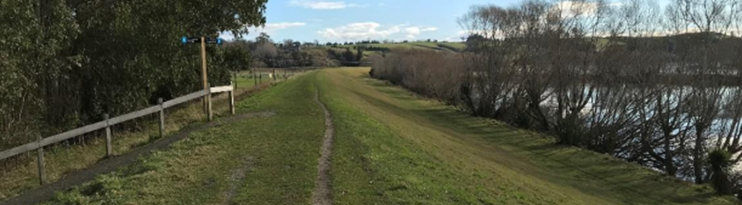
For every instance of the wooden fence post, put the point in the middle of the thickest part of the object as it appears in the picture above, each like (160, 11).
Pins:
(40, 161)
(109, 149)
(208, 103)
(162, 118)
(231, 98)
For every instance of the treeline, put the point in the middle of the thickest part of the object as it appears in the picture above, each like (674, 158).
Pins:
(373, 48)
(656, 86)
(291, 54)
(65, 63)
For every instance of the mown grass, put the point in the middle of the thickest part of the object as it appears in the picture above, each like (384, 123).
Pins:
(21, 174)
(395, 148)
(391, 147)
(279, 153)
(61, 160)
(245, 79)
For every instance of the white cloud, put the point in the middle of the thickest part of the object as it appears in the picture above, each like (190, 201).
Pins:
(269, 28)
(323, 5)
(414, 31)
(282, 25)
(616, 4)
(226, 35)
(273, 27)
(576, 8)
(359, 31)
(373, 31)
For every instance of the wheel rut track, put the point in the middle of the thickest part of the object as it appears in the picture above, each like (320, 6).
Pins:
(46, 192)
(322, 194)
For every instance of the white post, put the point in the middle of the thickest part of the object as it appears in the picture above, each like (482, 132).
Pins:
(231, 98)
(40, 162)
(109, 149)
(208, 103)
(162, 118)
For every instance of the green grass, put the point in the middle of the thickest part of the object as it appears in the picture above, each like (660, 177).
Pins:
(436, 46)
(21, 174)
(391, 147)
(244, 81)
(248, 82)
(62, 159)
(282, 151)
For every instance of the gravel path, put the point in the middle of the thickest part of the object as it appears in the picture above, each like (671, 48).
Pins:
(322, 194)
(46, 192)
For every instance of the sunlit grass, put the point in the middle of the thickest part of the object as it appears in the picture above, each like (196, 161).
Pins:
(391, 147)
(61, 159)
(280, 154)
(397, 148)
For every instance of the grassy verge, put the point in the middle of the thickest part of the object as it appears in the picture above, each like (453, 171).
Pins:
(394, 148)
(245, 79)
(61, 160)
(279, 154)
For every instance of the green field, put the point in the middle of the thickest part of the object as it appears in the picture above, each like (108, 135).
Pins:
(247, 81)
(391, 147)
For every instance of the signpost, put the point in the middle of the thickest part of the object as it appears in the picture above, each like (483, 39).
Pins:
(204, 75)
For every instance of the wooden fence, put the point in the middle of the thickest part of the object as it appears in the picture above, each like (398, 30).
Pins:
(107, 123)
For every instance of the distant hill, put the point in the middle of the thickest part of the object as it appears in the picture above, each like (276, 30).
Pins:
(443, 46)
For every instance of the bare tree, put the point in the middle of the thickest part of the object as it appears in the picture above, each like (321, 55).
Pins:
(658, 90)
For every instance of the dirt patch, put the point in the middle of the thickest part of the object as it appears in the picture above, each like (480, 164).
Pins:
(322, 193)
(236, 178)
(46, 192)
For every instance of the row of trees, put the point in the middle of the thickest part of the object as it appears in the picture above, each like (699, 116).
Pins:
(63, 63)
(288, 54)
(657, 87)
(270, 54)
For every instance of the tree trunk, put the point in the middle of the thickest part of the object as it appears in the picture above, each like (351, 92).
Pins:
(698, 157)
(721, 182)
(669, 164)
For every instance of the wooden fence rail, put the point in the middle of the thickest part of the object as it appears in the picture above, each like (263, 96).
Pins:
(107, 123)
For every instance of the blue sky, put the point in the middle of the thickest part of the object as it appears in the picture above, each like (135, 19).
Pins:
(353, 20)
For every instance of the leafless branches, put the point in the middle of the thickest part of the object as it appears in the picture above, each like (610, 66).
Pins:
(659, 89)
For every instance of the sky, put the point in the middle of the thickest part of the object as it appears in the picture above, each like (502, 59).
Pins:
(355, 20)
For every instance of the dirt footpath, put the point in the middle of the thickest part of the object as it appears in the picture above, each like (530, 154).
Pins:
(322, 194)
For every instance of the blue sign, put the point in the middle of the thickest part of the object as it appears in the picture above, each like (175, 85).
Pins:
(217, 41)
(190, 40)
